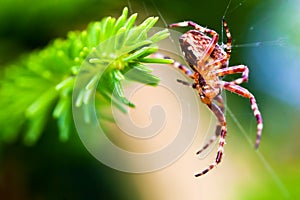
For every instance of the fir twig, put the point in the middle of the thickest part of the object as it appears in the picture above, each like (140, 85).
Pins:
(42, 83)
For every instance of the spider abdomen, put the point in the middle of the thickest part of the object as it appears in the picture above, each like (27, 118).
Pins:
(194, 44)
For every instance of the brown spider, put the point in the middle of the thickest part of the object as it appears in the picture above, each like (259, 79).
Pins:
(209, 61)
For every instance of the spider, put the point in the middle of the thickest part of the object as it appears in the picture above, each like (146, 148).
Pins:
(209, 62)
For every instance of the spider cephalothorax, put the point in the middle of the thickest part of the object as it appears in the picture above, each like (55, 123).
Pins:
(209, 61)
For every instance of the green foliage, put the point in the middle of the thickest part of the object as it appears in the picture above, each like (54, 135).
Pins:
(42, 83)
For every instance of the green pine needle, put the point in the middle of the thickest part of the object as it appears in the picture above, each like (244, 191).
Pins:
(41, 84)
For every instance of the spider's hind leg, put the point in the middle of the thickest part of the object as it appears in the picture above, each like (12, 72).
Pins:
(223, 130)
(211, 140)
(220, 104)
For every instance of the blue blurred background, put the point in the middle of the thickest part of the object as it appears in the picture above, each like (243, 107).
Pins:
(265, 38)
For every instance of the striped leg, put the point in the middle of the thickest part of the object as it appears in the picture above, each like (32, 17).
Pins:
(195, 26)
(221, 118)
(245, 93)
(211, 140)
(224, 61)
(228, 36)
(220, 104)
(175, 64)
(233, 70)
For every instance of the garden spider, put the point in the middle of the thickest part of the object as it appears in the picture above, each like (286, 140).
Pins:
(209, 61)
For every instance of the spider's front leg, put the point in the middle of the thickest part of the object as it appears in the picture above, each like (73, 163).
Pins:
(195, 26)
(245, 93)
(223, 130)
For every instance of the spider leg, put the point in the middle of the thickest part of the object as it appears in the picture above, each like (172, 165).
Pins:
(175, 64)
(222, 123)
(233, 70)
(228, 37)
(245, 93)
(212, 44)
(220, 104)
(208, 51)
(211, 140)
(224, 61)
(195, 26)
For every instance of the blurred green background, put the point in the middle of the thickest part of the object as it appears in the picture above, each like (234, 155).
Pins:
(265, 38)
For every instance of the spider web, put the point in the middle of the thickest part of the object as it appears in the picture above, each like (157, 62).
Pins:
(268, 167)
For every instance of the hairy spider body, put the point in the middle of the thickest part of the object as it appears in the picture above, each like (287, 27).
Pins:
(209, 61)
(195, 46)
